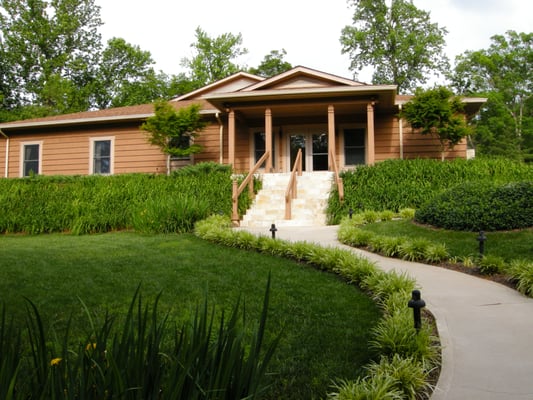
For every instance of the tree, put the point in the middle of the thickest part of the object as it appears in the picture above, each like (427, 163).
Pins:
(503, 73)
(213, 59)
(49, 47)
(272, 64)
(125, 76)
(437, 112)
(399, 42)
(173, 131)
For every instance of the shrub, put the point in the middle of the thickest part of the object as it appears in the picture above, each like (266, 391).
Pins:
(381, 387)
(90, 204)
(396, 335)
(522, 272)
(481, 206)
(397, 184)
(489, 264)
(408, 374)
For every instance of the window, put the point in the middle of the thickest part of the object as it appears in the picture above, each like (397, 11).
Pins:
(31, 159)
(354, 146)
(260, 147)
(101, 156)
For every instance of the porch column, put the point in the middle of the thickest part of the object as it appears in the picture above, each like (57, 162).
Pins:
(231, 138)
(370, 148)
(268, 139)
(331, 136)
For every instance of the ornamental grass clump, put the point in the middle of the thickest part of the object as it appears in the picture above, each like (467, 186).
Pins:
(145, 358)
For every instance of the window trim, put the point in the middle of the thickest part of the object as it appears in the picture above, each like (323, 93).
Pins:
(92, 142)
(22, 156)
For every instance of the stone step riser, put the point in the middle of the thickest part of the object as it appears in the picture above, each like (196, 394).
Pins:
(307, 209)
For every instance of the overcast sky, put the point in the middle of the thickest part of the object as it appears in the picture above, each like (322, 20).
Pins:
(309, 30)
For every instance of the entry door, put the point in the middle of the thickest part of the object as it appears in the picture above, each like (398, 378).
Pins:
(314, 150)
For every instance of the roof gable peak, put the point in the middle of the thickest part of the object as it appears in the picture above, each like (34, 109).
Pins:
(301, 77)
(232, 83)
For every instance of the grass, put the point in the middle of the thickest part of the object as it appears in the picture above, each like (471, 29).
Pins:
(508, 245)
(325, 323)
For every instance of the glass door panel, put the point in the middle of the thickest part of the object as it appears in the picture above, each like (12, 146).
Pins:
(297, 142)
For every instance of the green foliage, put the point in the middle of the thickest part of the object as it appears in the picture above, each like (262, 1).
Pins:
(398, 184)
(381, 387)
(408, 355)
(481, 206)
(399, 41)
(49, 51)
(490, 264)
(142, 359)
(409, 375)
(213, 58)
(504, 74)
(394, 336)
(522, 272)
(126, 76)
(272, 64)
(149, 203)
(172, 130)
(437, 112)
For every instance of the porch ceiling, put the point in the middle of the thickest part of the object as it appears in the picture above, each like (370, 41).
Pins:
(305, 102)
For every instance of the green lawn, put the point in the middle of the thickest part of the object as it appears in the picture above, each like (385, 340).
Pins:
(325, 322)
(509, 245)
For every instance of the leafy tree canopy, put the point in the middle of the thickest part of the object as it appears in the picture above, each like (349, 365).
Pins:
(172, 130)
(437, 112)
(213, 58)
(273, 64)
(400, 42)
(503, 73)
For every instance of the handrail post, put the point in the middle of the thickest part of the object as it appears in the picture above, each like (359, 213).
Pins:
(237, 190)
(235, 204)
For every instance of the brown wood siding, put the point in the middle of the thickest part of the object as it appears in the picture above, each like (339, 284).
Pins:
(417, 145)
(209, 140)
(68, 152)
(387, 137)
(3, 143)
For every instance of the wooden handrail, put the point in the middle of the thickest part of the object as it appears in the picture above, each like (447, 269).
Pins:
(291, 191)
(338, 179)
(237, 190)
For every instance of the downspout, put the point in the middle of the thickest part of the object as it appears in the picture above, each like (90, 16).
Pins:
(6, 175)
(400, 122)
(221, 137)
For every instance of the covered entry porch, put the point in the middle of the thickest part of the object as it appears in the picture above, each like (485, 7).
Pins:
(329, 125)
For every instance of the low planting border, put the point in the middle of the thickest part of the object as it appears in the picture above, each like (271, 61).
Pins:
(403, 350)
(517, 273)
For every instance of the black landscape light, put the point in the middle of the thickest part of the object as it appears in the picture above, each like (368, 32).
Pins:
(273, 229)
(350, 212)
(416, 303)
(481, 239)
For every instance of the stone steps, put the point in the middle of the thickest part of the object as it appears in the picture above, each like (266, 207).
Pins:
(308, 209)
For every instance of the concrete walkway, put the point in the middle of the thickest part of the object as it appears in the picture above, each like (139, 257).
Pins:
(486, 329)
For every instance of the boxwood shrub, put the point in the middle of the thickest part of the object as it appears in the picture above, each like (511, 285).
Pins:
(475, 206)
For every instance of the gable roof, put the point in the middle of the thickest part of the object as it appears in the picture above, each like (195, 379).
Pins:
(117, 114)
(300, 77)
(229, 84)
(303, 84)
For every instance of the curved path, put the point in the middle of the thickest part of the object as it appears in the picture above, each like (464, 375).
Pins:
(486, 329)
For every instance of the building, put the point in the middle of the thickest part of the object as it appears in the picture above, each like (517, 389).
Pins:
(319, 113)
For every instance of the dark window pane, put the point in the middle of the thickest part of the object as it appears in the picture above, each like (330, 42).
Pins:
(102, 148)
(354, 146)
(31, 159)
(102, 157)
